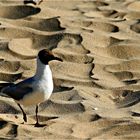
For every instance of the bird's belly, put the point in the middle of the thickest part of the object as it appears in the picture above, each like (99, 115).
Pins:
(34, 98)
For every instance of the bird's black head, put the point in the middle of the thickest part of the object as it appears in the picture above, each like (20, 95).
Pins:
(45, 56)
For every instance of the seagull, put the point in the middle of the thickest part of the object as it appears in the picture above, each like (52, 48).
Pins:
(36, 89)
(35, 2)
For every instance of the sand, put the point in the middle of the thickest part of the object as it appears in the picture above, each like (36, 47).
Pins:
(96, 93)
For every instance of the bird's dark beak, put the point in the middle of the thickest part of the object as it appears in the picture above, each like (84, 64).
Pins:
(59, 59)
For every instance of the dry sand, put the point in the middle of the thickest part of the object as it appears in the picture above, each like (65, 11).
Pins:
(97, 86)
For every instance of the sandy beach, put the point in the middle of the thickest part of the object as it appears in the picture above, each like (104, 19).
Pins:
(97, 86)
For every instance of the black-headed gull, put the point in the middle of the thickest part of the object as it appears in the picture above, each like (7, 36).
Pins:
(36, 89)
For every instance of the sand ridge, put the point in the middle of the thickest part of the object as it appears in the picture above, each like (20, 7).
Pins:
(96, 93)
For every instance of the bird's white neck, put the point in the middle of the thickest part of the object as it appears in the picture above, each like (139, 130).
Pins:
(42, 70)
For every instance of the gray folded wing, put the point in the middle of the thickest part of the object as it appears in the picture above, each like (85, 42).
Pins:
(18, 91)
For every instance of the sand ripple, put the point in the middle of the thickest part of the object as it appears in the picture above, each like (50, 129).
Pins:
(97, 86)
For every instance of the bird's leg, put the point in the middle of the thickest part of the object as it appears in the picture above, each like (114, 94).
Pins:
(24, 114)
(36, 114)
(37, 122)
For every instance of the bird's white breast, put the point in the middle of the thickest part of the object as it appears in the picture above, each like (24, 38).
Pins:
(42, 87)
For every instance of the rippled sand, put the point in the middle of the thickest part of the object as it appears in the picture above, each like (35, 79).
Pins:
(97, 86)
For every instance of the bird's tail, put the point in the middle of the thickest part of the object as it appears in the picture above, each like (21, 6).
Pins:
(2, 88)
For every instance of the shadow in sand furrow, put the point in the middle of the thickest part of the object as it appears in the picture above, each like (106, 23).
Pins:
(72, 53)
(71, 95)
(10, 129)
(61, 129)
(129, 82)
(78, 118)
(100, 3)
(21, 56)
(129, 66)
(119, 95)
(92, 25)
(59, 88)
(55, 107)
(130, 51)
(105, 78)
(43, 118)
(100, 127)
(119, 131)
(10, 33)
(123, 75)
(73, 78)
(4, 44)
(2, 124)
(52, 41)
(10, 71)
(9, 66)
(96, 3)
(71, 70)
(8, 77)
(39, 41)
(106, 27)
(114, 14)
(127, 77)
(99, 41)
(74, 57)
(13, 132)
(135, 114)
(136, 27)
(50, 24)
(124, 131)
(73, 38)
(128, 99)
(16, 12)
(73, 82)
(11, 2)
(7, 108)
(91, 6)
